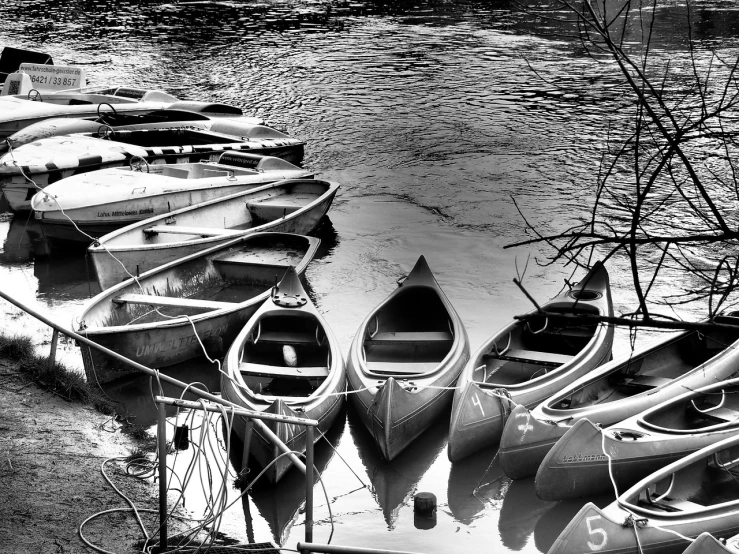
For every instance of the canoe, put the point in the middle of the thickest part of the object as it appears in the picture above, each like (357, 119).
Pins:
(698, 493)
(617, 390)
(290, 206)
(405, 359)
(519, 365)
(287, 361)
(18, 112)
(90, 205)
(48, 160)
(161, 318)
(169, 118)
(706, 543)
(579, 465)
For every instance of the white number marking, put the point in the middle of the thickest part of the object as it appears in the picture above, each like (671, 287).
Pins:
(596, 531)
(476, 402)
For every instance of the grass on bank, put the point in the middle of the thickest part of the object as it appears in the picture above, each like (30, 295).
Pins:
(56, 378)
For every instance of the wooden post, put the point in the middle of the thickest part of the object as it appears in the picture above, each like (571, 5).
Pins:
(309, 432)
(162, 444)
(52, 353)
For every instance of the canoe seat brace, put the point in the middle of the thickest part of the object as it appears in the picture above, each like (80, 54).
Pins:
(531, 357)
(182, 230)
(170, 301)
(261, 370)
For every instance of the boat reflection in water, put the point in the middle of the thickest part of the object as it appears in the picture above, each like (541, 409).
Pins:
(394, 483)
(18, 243)
(520, 513)
(476, 482)
(282, 504)
(135, 393)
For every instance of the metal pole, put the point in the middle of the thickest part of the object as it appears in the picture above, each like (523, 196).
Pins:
(162, 444)
(309, 432)
(212, 397)
(339, 549)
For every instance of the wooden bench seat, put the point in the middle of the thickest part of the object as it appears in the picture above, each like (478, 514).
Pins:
(674, 505)
(404, 368)
(182, 230)
(287, 337)
(532, 357)
(412, 336)
(262, 370)
(170, 301)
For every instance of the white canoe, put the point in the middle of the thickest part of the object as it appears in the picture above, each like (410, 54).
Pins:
(284, 361)
(31, 167)
(161, 318)
(99, 202)
(290, 206)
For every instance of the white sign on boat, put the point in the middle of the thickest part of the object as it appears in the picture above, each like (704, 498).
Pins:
(44, 78)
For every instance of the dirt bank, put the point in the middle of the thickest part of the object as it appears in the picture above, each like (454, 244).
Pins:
(51, 453)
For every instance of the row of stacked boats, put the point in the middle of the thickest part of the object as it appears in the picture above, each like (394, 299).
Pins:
(197, 221)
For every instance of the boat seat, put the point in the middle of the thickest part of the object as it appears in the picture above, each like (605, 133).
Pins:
(402, 368)
(170, 301)
(263, 370)
(176, 172)
(182, 230)
(674, 505)
(274, 208)
(550, 359)
(646, 381)
(287, 337)
(395, 337)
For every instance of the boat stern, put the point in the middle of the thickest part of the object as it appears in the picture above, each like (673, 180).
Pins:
(575, 466)
(525, 441)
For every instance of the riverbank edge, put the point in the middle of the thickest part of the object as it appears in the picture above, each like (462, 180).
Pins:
(51, 454)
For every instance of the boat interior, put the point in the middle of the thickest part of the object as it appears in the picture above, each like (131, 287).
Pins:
(718, 408)
(221, 282)
(530, 350)
(285, 355)
(198, 171)
(656, 367)
(409, 335)
(707, 482)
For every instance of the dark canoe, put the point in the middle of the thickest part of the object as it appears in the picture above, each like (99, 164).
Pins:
(284, 361)
(405, 359)
(577, 465)
(696, 494)
(618, 390)
(521, 365)
(173, 312)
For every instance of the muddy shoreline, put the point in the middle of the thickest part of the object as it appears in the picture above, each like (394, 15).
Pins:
(52, 451)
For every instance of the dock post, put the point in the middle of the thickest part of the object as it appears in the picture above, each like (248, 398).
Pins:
(309, 455)
(52, 353)
(162, 444)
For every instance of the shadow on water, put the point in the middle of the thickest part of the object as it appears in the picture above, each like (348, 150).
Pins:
(135, 393)
(520, 513)
(475, 482)
(395, 482)
(282, 504)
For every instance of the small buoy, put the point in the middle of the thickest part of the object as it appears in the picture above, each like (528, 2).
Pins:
(424, 504)
(290, 356)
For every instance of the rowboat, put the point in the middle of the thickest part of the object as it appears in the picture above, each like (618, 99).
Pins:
(82, 207)
(706, 543)
(617, 390)
(161, 318)
(664, 511)
(525, 363)
(234, 123)
(31, 167)
(582, 461)
(284, 361)
(405, 359)
(26, 107)
(290, 206)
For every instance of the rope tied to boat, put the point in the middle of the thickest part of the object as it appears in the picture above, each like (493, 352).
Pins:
(633, 521)
(504, 397)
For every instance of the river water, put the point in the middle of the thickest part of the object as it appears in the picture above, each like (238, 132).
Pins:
(433, 116)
